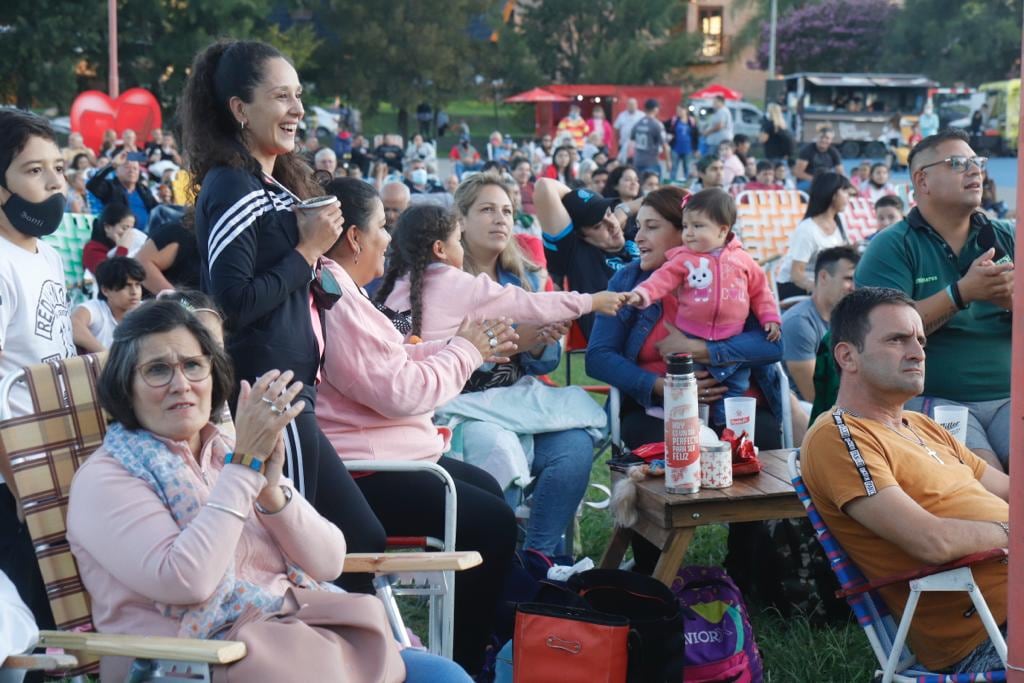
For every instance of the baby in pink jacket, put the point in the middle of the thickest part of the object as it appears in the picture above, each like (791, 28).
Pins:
(716, 283)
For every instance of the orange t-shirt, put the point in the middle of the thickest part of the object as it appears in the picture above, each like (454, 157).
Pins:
(940, 634)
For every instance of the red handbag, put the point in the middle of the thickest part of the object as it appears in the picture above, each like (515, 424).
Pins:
(554, 644)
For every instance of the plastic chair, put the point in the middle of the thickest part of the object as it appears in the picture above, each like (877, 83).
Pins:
(859, 219)
(68, 240)
(887, 639)
(39, 455)
(765, 219)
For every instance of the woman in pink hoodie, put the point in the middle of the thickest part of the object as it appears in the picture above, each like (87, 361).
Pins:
(716, 285)
(477, 269)
(376, 400)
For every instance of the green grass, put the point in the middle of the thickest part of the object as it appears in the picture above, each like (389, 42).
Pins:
(515, 119)
(794, 650)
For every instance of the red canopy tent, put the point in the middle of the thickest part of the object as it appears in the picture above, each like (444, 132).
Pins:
(537, 95)
(716, 89)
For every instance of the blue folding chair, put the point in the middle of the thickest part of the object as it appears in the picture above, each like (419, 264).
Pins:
(886, 637)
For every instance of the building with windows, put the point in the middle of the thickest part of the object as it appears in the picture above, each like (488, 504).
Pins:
(722, 58)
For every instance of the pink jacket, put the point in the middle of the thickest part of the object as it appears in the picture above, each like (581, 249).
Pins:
(450, 295)
(715, 292)
(377, 395)
(131, 553)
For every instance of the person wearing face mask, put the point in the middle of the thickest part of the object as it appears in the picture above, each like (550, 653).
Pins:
(35, 324)
(418, 180)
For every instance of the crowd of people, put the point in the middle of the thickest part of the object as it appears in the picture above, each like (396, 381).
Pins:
(256, 342)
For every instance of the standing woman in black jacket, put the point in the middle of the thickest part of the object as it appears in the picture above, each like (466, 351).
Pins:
(260, 253)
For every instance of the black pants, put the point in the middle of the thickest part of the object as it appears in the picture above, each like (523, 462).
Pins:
(639, 428)
(18, 560)
(412, 504)
(320, 476)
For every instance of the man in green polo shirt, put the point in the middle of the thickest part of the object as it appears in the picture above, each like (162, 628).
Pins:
(956, 264)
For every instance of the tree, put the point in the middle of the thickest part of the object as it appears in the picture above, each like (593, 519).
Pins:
(833, 35)
(41, 43)
(965, 42)
(409, 54)
(604, 41)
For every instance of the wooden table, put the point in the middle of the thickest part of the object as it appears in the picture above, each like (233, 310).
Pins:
(669, 520)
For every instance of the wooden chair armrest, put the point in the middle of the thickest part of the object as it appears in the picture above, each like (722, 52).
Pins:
(145, 647)
(401, 563)
(40, 662)
(903, 577)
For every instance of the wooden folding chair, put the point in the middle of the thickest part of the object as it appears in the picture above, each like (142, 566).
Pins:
(888, 640)
(39, 455)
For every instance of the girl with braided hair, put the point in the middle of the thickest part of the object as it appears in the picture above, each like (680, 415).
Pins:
(444, 268)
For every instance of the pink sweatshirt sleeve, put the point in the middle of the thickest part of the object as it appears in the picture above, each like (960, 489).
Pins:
(381, 375)
(122, 523)
(662, 282)
(425, 349)
(762, 301)
(491, 300)
(306, 538)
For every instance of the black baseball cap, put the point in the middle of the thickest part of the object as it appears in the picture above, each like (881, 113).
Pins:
(586, 208)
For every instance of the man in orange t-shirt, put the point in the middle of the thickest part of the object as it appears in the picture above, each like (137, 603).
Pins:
(897, 490)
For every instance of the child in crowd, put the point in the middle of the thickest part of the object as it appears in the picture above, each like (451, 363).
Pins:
(119, 280)
(782, 177)
(113, 234)
(649, 182)
(710, 285)
(425, 273)
(888, 211)
(877, 185)
(732, 167)
(764, 177)
(862, 175)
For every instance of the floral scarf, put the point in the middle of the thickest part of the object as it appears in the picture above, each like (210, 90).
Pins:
(146, 457)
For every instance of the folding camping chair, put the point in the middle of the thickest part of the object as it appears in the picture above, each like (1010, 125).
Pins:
(887, 639)
(39, 455)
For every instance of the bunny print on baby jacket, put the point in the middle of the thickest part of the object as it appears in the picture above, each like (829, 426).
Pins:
(716, 290)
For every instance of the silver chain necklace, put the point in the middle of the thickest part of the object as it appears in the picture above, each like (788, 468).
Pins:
(917, 438)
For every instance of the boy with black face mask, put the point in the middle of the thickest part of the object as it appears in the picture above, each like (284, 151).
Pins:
(35, 325)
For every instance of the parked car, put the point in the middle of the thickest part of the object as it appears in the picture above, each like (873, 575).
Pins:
(746, 118)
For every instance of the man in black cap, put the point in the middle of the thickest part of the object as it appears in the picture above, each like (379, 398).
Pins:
(649, 140)
(583, 238)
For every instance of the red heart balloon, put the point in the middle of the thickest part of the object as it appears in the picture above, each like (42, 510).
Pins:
(93, 112)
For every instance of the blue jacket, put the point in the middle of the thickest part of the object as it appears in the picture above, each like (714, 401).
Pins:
(615, 344)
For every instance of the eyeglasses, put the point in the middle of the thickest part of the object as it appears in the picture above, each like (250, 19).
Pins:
(159, 373)
(960, 164)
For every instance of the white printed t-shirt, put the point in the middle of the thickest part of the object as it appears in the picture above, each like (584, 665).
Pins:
(101, 321)
(35, 323)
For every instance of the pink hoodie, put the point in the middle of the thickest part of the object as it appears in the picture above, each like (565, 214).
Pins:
(716, 292)
(451, 294)
(377, 395)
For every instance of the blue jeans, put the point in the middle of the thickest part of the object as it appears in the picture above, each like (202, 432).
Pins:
(423, 667)
(561, 470)
(735, 377)
(677, 161)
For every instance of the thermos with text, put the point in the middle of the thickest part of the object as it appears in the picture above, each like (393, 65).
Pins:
(682, 426)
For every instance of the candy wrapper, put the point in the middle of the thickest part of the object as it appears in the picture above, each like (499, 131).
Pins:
(744, 457)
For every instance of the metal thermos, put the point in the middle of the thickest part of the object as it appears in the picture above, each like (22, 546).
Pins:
(682, 426)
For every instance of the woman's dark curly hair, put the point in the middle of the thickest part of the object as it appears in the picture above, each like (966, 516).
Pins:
(412, 250)
(210, 134)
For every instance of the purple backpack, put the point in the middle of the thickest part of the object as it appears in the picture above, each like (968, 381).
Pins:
(720, 645)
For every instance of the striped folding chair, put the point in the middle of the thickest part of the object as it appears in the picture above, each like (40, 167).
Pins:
(39, 455)
(859, 219)
(888, 639)
(765, 219)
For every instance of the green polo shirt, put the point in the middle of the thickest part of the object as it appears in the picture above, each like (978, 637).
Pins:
(968, 358)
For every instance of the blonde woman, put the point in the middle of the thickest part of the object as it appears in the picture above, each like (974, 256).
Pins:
(775, 135)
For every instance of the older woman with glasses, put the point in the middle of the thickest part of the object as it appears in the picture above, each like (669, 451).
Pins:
(179, 530)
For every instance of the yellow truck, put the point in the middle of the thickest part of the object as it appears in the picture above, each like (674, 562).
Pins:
(999, 130)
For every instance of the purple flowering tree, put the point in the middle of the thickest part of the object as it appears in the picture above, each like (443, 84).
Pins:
(833, 35)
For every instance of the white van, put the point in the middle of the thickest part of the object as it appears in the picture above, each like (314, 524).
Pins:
(746, 118)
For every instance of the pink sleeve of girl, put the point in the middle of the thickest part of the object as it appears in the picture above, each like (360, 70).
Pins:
(491, 300)
(664, 281)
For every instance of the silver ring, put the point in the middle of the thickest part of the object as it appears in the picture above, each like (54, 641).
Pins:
(266, 400)
(493, 342)
(275, 410)
(489, 332)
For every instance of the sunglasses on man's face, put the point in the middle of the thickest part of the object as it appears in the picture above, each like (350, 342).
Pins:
(960, 164)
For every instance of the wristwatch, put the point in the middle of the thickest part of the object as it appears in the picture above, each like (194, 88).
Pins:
(253, 462)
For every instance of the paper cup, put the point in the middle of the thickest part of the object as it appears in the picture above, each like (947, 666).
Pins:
(740, 413)
(953, 419)
(716, 466)
(317, 202)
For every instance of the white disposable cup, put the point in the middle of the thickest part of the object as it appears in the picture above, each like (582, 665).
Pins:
(740, 413)
(953, 419)
(318, 202)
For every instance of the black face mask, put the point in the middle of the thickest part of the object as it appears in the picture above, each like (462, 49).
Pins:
(35, 219)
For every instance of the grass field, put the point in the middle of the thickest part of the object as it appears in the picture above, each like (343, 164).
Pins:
(794, 650)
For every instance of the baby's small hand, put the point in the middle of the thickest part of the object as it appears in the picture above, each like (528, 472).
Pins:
(773, 331)
(632, 299)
